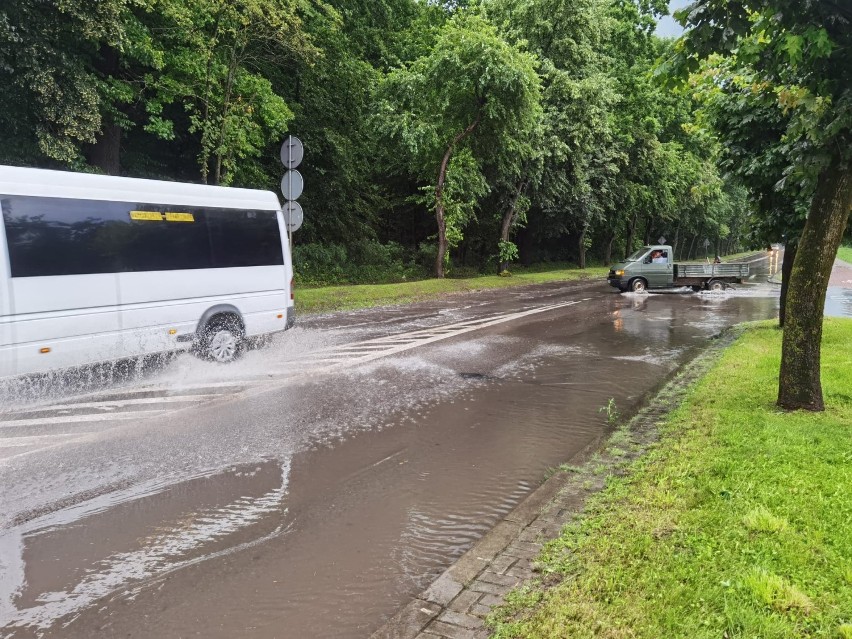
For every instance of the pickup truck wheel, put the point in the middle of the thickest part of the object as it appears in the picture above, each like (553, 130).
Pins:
(716, 285)
(638, 285)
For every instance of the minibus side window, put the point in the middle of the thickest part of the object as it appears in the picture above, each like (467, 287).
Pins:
(56, 236)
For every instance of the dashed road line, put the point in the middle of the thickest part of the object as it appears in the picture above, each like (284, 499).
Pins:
(73, 419)
(121, 405)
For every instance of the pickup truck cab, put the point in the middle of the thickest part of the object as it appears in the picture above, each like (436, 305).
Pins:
(653, 267)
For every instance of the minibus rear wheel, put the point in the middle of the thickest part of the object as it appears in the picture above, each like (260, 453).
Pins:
(222, 340)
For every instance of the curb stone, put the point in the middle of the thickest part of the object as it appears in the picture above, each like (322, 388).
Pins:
(456, 604)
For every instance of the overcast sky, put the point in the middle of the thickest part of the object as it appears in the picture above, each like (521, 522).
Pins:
(667, 27)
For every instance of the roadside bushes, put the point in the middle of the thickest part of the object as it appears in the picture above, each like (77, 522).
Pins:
(363, 262)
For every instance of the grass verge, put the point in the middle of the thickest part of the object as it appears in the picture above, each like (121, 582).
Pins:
(336, 298)
(845, 253)
(738, 523)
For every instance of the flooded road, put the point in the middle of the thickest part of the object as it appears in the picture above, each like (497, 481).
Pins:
(838, 297)
(315, 486)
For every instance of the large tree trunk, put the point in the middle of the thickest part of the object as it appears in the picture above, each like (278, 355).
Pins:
(106, 152)
(439, 197)
(631, 231)
(509, 217)
(790, 250)
(799, 385)
(674, 244)
(608, 249)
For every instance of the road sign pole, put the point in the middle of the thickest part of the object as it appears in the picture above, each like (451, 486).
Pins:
(292, 184)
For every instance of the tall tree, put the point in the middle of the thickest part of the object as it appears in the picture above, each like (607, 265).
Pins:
(54, 65)
(469, 93)
(218, 55)
(802, 54)
(752, 127)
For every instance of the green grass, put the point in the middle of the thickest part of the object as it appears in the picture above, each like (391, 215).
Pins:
(845, 253)
(733, 257)
(737, 524)
(334, 298)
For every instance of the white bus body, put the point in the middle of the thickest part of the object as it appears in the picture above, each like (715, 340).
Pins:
(96, 268)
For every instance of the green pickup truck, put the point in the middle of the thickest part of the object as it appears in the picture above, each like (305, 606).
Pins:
(653, 267)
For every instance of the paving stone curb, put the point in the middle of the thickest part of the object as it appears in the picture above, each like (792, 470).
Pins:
(458, 601)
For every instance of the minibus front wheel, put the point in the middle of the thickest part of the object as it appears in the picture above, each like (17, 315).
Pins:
(222, 340)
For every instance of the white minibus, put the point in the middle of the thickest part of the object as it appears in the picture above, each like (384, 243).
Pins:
(96, 268)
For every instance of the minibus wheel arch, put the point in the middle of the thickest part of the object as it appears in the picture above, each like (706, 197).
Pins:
(222, 312)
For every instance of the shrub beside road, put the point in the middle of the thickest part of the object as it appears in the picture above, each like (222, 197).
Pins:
(738, 523)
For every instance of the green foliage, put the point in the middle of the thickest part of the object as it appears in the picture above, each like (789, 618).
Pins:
(51, 102)
(508, 252)
(501, 117)
(363, 262)
(611, 411)
(456, 106)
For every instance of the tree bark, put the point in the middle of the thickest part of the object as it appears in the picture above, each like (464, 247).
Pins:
(226, 107)
(799, 384)
(439, 196)
(786, 270)
(581, 245)
(508, 221)
(691, 244)
(608, 249)
(674, 244)
(106, 152)
(631, 231)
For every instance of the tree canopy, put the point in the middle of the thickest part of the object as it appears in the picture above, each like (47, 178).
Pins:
(440, 136)
(780, 94)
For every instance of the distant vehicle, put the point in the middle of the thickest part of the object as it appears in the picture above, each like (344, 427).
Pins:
(653, 267)
(96, 268)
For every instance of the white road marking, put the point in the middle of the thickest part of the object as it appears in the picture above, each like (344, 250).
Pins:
(121, 403)
(76, 419)
(18, 442)
(320, 362)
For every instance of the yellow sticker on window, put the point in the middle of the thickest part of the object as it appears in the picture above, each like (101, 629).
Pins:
(148, 216)
(179, 217)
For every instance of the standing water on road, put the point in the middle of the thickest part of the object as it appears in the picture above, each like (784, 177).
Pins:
(315, 503)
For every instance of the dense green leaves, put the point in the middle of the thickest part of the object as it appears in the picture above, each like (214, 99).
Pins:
(467, 102)
(523, 129)
(778, 82)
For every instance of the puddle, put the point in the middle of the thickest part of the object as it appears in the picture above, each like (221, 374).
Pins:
(59, 564)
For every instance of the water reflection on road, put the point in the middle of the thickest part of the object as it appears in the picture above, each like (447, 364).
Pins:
(317, 507)
(838, 299)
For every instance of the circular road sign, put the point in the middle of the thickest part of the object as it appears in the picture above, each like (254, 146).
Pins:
(293, 215)
(292, 185)
(292, 152)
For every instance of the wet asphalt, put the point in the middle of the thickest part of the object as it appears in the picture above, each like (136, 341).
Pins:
(315, 486)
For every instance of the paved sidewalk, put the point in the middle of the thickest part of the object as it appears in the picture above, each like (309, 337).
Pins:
(456, 604)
